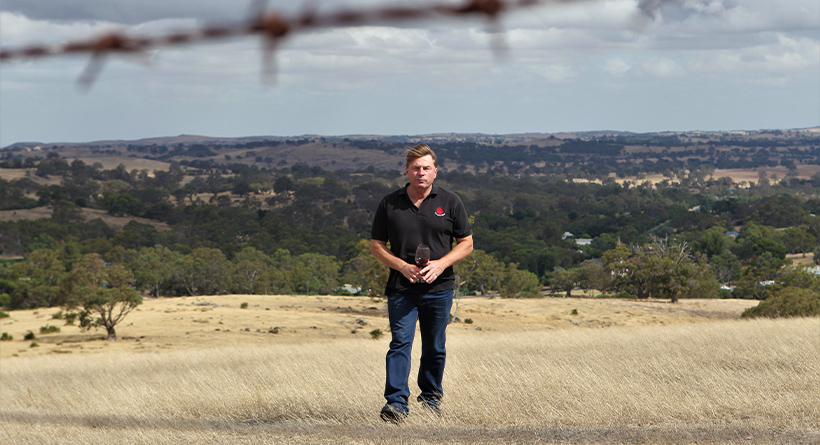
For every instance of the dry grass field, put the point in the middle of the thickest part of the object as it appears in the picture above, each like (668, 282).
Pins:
(740, 176)
(305, 370)
(117, 222)
(10, 174)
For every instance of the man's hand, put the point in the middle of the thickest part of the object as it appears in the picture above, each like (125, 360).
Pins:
(411, 272)
(432, 270)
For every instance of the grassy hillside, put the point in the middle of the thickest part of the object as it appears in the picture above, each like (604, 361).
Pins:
(525, 371)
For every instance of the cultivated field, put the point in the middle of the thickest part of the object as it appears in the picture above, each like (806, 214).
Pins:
(295, 369)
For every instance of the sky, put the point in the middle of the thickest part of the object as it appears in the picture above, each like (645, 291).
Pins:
(626, 65)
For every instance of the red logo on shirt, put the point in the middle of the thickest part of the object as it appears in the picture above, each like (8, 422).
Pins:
(439, 212)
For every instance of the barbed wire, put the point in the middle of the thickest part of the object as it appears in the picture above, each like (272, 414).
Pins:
(272, 27)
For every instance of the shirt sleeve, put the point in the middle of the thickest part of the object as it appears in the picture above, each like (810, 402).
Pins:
(379, 230)
(461, 224)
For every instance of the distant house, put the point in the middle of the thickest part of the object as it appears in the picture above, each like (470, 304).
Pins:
(350, 289)
(695, 209)
(578, 241)
(732, 234)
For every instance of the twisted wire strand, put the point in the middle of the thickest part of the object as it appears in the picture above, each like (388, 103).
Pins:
(271, 26)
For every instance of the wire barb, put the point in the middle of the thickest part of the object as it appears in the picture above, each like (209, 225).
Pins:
(272, 27)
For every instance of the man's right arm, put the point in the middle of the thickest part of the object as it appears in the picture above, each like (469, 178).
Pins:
(385, 256)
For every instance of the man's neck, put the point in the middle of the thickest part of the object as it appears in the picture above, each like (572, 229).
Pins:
(416, 194)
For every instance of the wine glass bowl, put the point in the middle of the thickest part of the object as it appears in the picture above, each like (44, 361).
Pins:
(422, 256)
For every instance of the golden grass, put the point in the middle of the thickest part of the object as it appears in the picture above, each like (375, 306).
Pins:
(10, 174)
(707, 380)
(739, 176)
(216, 321)
(130, 163)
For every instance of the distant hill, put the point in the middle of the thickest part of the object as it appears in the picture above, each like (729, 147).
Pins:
(463, 151)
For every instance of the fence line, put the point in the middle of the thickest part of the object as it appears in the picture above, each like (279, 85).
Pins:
(271, 26)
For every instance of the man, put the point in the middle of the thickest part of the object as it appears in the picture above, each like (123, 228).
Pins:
(419, 213)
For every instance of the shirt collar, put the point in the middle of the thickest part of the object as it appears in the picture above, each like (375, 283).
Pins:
(433, 191)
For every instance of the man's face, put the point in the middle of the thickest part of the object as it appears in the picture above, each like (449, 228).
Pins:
(421, 172)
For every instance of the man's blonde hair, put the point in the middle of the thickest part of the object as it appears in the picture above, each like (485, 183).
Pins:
(419, 151)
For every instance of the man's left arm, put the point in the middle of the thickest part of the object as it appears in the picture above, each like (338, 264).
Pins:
(463, 247)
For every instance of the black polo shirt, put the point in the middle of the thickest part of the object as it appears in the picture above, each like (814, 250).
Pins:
(438, 222)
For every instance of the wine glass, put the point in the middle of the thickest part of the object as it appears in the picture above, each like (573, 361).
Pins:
(422, 256)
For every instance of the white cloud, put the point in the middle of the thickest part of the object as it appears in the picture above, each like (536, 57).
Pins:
(783, 56)
(17, 29)
(554, 73)
(616, 66)
(662, 67)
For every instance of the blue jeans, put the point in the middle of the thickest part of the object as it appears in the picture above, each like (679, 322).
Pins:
(433, 313)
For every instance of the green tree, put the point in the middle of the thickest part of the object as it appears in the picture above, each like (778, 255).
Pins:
(278, 279)
(798, 240)
(758, 281)
(203, 272)
(121, 255)
(517, 283)
(37, 280)
(660, 269)
(787, 302)
(593, 275)
(712, 242)
(800, 276)
(627, 272)
(135, 235)
(103, 292)
(565, 280)
(726, 267)
(154, 268)
(479, 272)
(249, 266)
(755, 239)
(315, 274)
(365, 271)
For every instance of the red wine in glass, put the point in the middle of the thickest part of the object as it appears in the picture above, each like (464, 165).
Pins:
(422, 256)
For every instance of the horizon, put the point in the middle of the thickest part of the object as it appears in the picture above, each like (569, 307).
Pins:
(439, 134)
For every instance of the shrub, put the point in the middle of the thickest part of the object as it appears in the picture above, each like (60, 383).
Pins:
(5, 299)
(70, 317)
(29, 336)
(57, 316)
(48, 329)
(243, 305)
(34, 344)
(4, 314)
(574, 312)
(376, 334)
(787, 302)
(725, 294)
(468, 320)
(6, 337)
